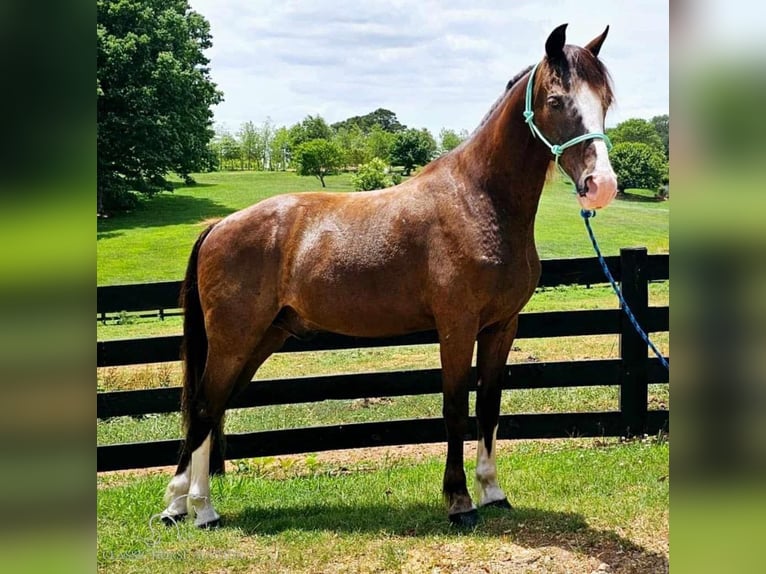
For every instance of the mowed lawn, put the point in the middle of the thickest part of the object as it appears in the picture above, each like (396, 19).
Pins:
(153, 242)
(577, 506)
(579, 503)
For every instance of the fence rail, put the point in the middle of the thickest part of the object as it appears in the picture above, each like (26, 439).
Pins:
(633, 372)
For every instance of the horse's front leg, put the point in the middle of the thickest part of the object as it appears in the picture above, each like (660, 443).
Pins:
(494, 344)
(456, 349)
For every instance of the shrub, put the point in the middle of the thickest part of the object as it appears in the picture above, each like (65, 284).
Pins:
(372, 175)
(637, 165)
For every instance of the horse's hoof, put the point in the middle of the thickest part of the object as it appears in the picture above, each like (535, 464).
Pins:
(503, 503)
(467, 519)
(212, 525)
(172, 520)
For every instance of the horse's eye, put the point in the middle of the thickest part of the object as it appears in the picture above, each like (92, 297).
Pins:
(554, 102)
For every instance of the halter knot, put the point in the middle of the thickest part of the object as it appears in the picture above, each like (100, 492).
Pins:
(586, 213)
(557, 150)
(528, 115)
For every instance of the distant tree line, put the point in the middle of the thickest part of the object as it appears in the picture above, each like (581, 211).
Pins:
(312, 147)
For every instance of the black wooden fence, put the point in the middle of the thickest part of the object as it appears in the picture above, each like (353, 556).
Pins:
(632, 372)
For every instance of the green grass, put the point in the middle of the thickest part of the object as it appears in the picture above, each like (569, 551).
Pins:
(152, 243)
(577, 504)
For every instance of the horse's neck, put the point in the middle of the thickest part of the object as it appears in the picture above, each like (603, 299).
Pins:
(504, 161)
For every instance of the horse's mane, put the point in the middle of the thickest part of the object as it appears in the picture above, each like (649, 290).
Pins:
(512, 82)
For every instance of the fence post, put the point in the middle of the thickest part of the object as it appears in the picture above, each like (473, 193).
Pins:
(634, 373)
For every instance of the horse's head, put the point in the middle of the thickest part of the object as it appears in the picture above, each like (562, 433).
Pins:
(572, 93)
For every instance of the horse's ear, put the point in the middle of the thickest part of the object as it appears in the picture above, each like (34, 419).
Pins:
(554, 45)
(595, 44)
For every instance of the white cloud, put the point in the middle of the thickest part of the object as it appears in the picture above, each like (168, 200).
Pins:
(434, 63)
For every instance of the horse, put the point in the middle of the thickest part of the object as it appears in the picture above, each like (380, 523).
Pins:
(450, 249)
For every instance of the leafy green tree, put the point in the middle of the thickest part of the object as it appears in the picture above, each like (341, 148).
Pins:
(154, 95)
(318, 157)
(249, 145)
(385, 119)
(413, 147)
(280, 150)
(230, 151)
(372, 175)
(450, 139)
(637, 165)
(263, 136)
(311, 128)
(354, 145)
(379, 143)
(662, 127)
(637, 130)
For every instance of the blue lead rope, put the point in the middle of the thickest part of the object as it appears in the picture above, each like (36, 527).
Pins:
(587, 215)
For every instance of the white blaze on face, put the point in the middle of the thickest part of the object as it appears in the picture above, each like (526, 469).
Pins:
(487, 489)
(602, 185)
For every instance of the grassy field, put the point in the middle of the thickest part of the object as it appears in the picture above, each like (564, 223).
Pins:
(579, 502)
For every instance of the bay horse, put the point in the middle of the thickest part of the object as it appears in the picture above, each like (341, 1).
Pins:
(451, 249)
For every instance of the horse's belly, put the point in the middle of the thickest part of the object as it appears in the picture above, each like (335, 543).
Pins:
(361, 312)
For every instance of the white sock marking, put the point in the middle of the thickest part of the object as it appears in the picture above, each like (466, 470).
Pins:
(198, 501)
(175, 494)
(487, 489)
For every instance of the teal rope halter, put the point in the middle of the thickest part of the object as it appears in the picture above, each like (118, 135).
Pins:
(556, 149)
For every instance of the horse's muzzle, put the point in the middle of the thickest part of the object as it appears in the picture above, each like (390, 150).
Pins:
(597, 190)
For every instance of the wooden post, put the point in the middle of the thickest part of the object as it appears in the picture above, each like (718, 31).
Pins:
(634, 375)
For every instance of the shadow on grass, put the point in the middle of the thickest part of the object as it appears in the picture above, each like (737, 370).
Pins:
(163, 209)
(529, 527)
(637, 198)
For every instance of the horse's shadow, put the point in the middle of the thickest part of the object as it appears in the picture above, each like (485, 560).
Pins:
(524, 526)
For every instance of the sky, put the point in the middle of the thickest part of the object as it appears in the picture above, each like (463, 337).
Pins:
(434, 63)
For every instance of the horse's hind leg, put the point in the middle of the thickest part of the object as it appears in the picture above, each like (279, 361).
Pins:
(492, 354)
(225, 374)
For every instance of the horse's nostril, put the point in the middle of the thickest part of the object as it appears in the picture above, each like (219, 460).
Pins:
(583, 190)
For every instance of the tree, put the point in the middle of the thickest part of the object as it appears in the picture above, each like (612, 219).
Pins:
(265, 137)
(154, 95)
(637, 130)
(383, 118)
(249, 145)
(318, 157)
(379, 143)
(311, 128)
(230, 150)
(637, 165)
(412, 147)
(662, 127)
(354, 145)
(372, 175)
(450, 139)
(280, 150)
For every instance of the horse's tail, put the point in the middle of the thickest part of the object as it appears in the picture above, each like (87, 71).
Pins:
(194, 357)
